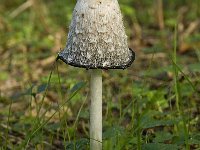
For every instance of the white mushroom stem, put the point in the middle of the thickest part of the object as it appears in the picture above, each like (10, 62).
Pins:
(96, 110)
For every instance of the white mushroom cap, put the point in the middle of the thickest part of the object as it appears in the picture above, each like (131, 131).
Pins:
(97, 37)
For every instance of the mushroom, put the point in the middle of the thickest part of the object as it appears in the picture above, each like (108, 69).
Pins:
(97, 40)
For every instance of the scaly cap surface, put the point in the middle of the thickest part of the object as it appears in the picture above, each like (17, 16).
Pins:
(97, 37)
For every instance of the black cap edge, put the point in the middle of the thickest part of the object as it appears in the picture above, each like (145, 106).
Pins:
(99, 67)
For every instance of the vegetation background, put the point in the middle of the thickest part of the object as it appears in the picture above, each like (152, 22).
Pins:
(153, 105)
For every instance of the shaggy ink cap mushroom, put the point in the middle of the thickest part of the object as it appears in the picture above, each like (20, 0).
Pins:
(97, 38)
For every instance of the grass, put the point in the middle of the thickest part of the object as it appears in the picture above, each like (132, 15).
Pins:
(40, 123)
(142, 108)
(153, 105)
(178, 92)
(148, 116)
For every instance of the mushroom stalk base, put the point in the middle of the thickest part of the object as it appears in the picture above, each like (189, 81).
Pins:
(96, 110)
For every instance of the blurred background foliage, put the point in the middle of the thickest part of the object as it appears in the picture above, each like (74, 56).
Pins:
(155, 104)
